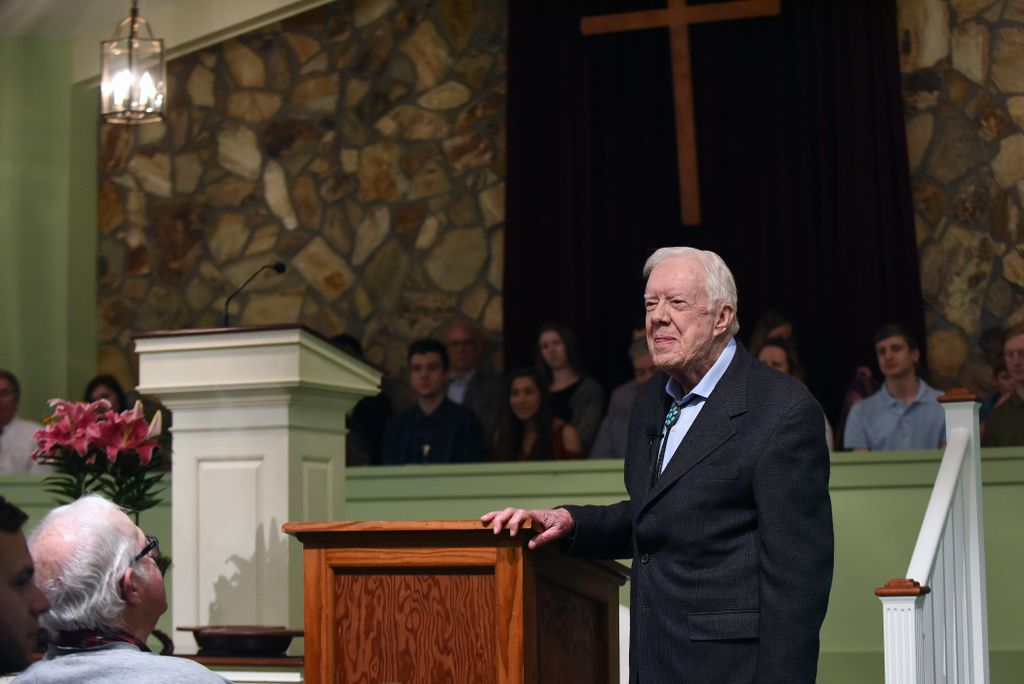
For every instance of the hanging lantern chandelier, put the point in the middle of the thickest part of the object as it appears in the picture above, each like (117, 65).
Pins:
(133, 82)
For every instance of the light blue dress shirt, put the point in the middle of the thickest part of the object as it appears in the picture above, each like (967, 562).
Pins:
(691, 404)
(457, 386)
(883, 423)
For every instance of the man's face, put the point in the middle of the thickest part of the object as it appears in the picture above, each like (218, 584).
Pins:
(21, 603)
(643, 368)
(8, 402)
(1013, 354)
(153, 592)
(681, 331)
(463, 348)
(895, 358)
(426, 375)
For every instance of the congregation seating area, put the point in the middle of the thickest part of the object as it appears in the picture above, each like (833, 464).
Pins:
(878, 502)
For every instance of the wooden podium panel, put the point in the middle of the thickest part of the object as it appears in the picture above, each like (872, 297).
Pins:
(426, 602)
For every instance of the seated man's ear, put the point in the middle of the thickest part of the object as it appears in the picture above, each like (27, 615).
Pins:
(131, 586)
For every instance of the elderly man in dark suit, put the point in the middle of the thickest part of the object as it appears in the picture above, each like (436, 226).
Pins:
(728, 520)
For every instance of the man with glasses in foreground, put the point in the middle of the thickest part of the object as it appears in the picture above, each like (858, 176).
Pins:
(99, 572)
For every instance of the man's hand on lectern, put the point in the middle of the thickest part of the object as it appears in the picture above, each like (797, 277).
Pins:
(550, 523)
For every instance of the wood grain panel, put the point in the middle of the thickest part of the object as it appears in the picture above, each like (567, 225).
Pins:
(417, 626)
(418, 557)
(318, 616)
(510, 616)
(571, 636)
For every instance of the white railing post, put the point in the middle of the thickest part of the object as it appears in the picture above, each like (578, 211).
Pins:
(903, 631)
(964, 414)
(943, 637)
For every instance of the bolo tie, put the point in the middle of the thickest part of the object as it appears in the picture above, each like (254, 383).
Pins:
(670, 420)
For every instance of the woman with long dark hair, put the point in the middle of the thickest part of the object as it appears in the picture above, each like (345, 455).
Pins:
(526, 429)
(575, 398)
(106, 387)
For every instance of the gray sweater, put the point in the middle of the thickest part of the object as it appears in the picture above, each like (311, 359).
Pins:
(116, 664)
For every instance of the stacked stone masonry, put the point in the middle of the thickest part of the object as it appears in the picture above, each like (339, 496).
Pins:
(963, 80)
(362, 143)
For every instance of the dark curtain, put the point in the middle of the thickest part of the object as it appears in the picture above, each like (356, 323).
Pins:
(803, 174)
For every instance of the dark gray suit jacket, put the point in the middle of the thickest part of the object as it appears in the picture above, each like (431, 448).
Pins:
(732, 547)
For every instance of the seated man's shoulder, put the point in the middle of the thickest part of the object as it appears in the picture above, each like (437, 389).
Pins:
(930, 394)
(117, 664)
(183, 667)
(933, 410)
(623, 396)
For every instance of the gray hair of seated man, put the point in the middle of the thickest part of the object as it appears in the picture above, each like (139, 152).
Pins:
(81, 555)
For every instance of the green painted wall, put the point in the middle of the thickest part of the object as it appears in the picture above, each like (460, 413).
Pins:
(878, 503)
(47, 222)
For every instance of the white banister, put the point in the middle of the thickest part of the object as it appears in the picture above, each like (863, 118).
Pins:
(935, 621)
(928, 538)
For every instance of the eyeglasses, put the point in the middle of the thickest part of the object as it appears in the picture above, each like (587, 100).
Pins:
(152, 549)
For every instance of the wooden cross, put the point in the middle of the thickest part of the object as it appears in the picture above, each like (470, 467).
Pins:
(677, 17)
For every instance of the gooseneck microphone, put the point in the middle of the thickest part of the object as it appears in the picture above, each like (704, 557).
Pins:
(278, 267)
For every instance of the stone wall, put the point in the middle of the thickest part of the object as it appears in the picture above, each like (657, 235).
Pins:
(963, 78)
(362, 143)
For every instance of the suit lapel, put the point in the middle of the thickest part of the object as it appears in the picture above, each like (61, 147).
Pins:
(712, 427)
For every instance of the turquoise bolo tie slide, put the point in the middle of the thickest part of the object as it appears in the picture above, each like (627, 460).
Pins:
(672, 416)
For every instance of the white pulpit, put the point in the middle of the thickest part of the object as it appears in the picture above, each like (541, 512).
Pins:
(259, 439)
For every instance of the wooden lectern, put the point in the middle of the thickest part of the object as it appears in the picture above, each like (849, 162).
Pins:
(430, 602)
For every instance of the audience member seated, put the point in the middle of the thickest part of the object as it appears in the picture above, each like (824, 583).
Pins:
(468, 384)
(527, 430)
(1005, 425)
(905, 412)
(16, 443)
(862, 385)
(771, 324)
(21, 602)
(574, 397)
(366, 421)
(98, 570)
(778, 353)
(435, 429)
(1003, 390)
(106, 387)
(611, 437)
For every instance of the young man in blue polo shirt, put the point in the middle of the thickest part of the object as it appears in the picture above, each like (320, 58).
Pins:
(905, 413)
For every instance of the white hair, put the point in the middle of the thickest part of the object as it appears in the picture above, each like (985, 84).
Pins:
(719, 284)
(81, 554)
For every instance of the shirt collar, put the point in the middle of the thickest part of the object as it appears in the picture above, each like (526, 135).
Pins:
(707, 384)
(465, 378)
(922, 389)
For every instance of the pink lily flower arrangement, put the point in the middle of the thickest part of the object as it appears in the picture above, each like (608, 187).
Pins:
(95, 449)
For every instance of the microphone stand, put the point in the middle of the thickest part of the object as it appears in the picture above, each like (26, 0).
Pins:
(225, 320)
